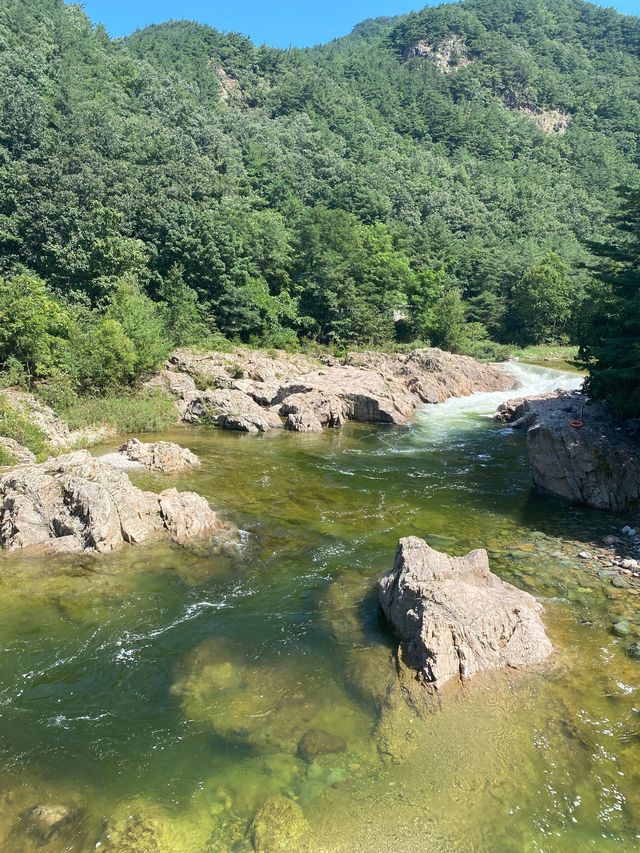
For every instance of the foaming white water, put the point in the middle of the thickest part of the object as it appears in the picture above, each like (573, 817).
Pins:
(461, 412)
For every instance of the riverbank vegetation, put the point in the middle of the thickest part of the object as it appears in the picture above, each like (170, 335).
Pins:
(442, 178)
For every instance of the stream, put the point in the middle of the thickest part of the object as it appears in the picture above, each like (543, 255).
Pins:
(160, 693)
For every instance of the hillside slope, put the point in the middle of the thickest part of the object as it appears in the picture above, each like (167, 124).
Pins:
(444, 154)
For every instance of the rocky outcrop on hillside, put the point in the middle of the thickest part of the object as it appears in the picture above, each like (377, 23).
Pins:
(251, 391)
(549, 121)
(450, 54)
(76, 503)
(579, 449)
(455, 618)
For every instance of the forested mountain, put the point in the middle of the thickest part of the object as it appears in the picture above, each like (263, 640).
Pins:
(438, 176)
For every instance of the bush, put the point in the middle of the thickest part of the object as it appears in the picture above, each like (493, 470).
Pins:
(106, 358)
(150, 412)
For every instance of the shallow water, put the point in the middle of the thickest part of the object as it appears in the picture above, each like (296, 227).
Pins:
(174, 685)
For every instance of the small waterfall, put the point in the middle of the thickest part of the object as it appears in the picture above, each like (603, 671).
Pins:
(433, 422)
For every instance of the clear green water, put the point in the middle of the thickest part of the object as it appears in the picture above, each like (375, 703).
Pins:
(174, 685)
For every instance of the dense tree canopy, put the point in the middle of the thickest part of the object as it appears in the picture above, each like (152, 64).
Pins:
(434, 177)
(610, 338)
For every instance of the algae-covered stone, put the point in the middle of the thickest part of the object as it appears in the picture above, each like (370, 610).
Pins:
(279, 824)
(317, 742)
(621, 628)
(43, 821)
(266, 703)
(141, 827)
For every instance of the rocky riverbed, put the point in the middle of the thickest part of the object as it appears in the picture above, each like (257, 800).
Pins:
(253, 391)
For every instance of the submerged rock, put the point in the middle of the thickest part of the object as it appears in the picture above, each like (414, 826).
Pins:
(279, 825)
(317, 742)
(455, 618)
(578, 449)
(76, 503)
(159, 456)
(43, 821)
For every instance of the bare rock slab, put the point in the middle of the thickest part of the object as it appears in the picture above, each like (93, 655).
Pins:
(455, 618)
(76, 503)
(158, 456)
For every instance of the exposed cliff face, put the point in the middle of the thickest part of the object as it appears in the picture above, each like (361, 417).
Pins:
(549, 121)
(449, 54)
(579, 449)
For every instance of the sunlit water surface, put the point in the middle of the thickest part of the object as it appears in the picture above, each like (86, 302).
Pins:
(176, 684)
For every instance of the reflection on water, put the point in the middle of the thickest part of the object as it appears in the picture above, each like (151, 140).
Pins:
(160, 695)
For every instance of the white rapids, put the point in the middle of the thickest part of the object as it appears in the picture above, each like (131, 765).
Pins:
(463, 412)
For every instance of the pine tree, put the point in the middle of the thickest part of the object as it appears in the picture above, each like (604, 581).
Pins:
(610, 337)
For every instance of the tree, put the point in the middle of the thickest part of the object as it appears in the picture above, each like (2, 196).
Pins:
(180, 308)
(542, 302)
(106, 358)
(610, 332)
(141, 323)
(34, 327)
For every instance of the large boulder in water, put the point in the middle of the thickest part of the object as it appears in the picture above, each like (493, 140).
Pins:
(579, 449)
(158, 456)
(76, 503)
(455, 618)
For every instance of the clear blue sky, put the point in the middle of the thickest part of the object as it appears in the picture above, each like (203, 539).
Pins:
(280, 23)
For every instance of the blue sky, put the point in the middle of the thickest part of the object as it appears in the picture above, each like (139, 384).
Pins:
(280, 23)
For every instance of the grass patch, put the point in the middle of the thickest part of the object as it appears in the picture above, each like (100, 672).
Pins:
(15, 425)
(540, 352)
(5, 458)
(150, 412)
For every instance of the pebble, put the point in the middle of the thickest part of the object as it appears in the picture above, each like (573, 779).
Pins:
(585, 555)
(634, 651)
(621, 628)
(620, 583)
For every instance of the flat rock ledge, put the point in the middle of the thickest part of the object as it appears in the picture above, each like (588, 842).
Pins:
(250, 391)
(75, 503)
(455, 618)
(162, 456)
(579, 449)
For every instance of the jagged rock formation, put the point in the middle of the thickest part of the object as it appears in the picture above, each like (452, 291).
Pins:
(159, 456)
(455, 618)
(579, 449)
(251, 391)
(76, 503)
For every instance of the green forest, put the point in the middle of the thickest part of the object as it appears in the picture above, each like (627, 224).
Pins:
(465, 176)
